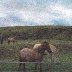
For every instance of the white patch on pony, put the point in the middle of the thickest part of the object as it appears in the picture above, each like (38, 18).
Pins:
(36, 46)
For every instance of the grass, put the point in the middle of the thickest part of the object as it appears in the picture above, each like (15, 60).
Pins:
(10, 53)
(61, 67)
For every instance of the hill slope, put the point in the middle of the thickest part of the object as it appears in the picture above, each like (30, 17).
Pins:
(38, 32)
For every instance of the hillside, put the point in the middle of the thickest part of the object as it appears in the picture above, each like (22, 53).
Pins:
(38, 32)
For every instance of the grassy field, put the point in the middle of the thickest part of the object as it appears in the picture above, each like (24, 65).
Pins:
(61, 37)
(10, 53)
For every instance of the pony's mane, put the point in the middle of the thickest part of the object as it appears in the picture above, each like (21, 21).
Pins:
(36, 47)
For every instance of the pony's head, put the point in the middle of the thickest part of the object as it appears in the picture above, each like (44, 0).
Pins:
(46, 47)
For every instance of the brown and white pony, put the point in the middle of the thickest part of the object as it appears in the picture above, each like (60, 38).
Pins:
(11, 39)
(34, 54)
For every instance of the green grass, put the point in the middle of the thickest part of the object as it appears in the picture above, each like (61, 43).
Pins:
(10, 53)
(61, 67)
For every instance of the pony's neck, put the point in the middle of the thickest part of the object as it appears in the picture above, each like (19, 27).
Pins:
(39, 50)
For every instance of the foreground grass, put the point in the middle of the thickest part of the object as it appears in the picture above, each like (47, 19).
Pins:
(48, 67)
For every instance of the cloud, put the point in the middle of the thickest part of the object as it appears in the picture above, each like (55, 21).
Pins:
(67, 3)
(35, 12)
(2, 12)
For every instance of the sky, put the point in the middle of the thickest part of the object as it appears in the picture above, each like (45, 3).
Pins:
(35, 12)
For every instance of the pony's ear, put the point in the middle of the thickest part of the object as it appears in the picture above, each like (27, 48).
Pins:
(45, 42)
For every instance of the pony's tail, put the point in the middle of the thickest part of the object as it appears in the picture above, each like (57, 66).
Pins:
(20, 60)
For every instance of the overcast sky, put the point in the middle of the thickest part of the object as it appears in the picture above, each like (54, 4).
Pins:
(35, 12)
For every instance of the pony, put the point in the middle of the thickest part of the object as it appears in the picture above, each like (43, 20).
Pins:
(34, 54)
(1, 38)
(11, 39)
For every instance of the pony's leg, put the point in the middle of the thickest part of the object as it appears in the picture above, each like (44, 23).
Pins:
(36, 67)
(1, 41)
(8, 42)
(13, 42)
(20, 64)
(40, 67)
(24, 69)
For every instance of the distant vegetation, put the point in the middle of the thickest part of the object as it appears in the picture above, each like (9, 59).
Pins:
(38, 32)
